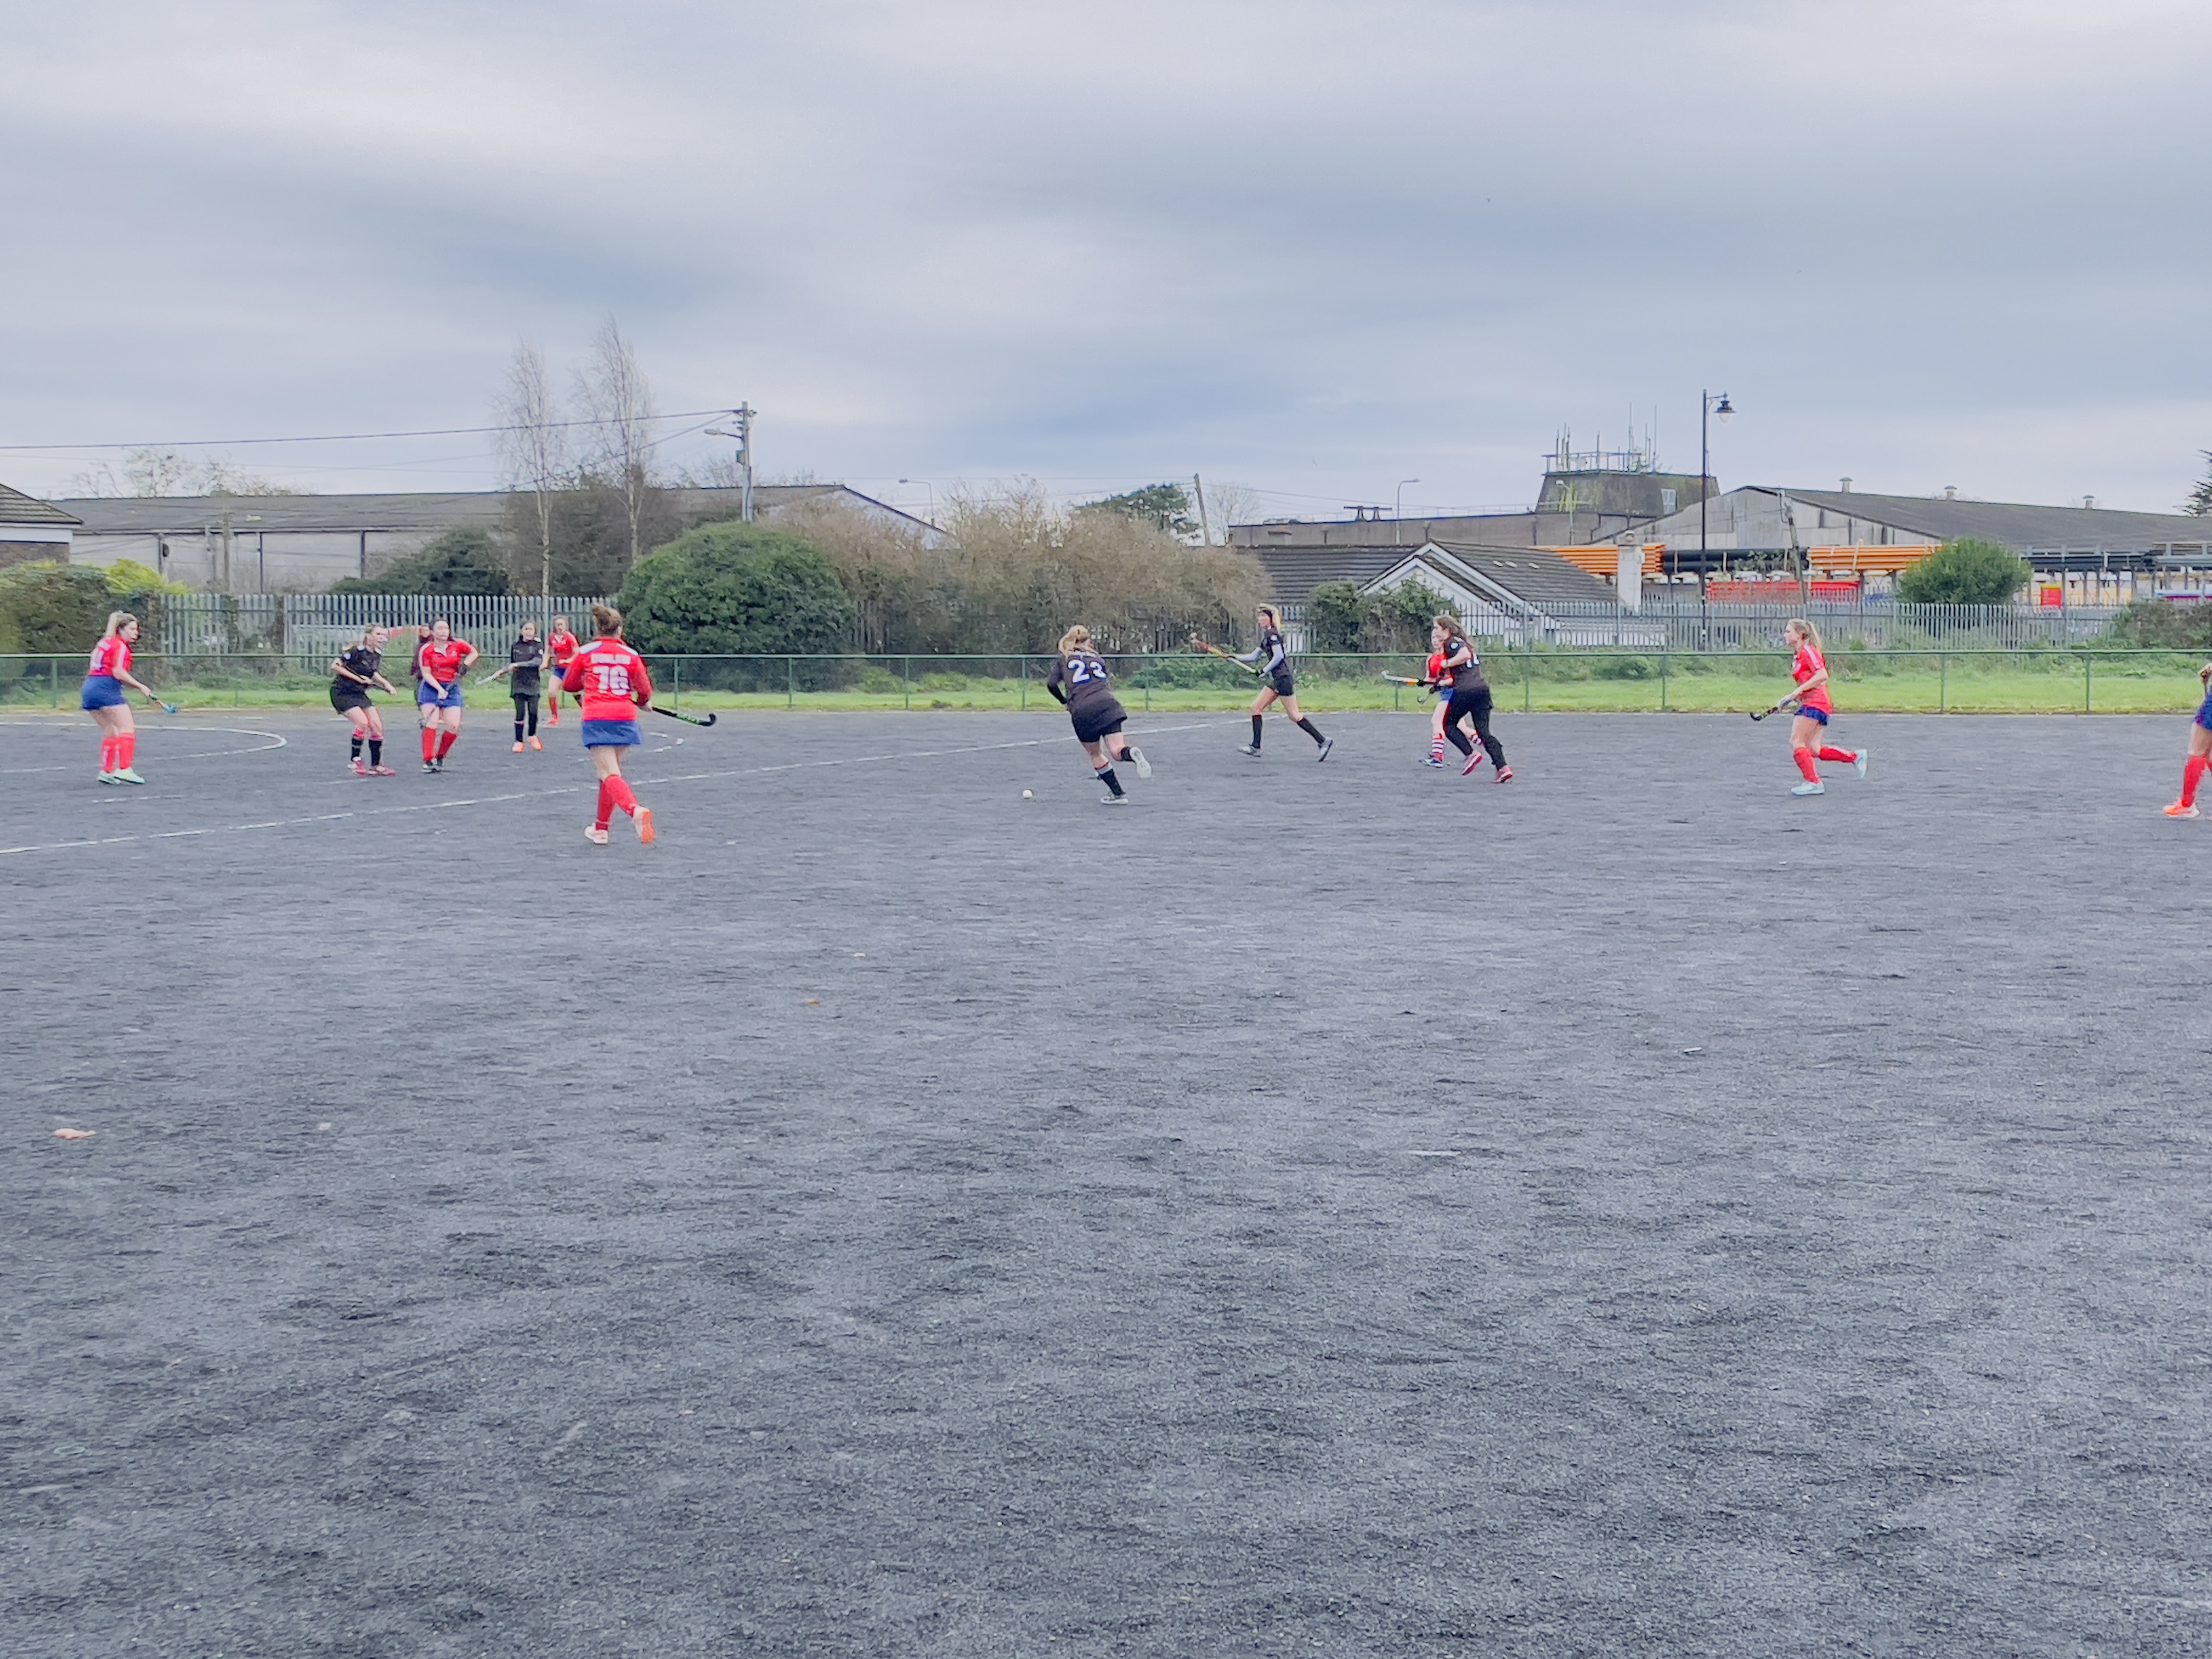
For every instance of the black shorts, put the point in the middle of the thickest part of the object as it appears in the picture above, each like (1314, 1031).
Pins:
(344, 697)
(1467, 700)
(1097, 720)
(1284, 684)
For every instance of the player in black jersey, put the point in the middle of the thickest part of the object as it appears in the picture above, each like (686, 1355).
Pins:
(1272, 658)
(1081, 684)
(1470, 699)
(524, 658)
(353, 671)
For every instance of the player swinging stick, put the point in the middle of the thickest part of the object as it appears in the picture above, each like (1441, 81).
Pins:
(1810, 670)
(102, 698)
(520, 672)
(1468, 703)
(1275, 661)
(1080, 683)
(353, 671)
(2200, 751)
(610, 683)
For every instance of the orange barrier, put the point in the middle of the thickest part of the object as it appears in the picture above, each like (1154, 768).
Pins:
(1602, 559)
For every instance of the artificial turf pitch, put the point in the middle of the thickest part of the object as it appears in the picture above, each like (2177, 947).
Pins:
(1338, 1209)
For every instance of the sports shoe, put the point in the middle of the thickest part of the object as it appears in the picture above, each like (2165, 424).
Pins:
(518, 748)
(1251, 749)
(1112, 800)
(382, 771)
(107, 777)
(555, 720)
(594, 835)
(641, 820)
(1436, 761)
(359, 767)
(128, 774)
(430, 766)
(1326, 743)
(2176, 809)
(439, 764)
(1861, 763)
(1504, 776)
(534, 743)
(1810, 789)
(1137, 759)
(1472, 761)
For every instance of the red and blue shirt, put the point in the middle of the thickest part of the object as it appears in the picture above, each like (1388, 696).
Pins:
(111, 657)
(1810, 662)
(442, 662)
(610, 680)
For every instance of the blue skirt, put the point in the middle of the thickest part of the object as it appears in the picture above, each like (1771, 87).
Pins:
(101, 691)
(426, 695)
(612, 734)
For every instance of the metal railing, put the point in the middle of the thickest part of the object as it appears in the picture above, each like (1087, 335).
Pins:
(315, 627)
(1939, 679)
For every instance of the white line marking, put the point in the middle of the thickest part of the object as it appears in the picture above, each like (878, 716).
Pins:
(75, 731)
(569, 789)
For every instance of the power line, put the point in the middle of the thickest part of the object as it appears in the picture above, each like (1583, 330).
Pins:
(346, 437)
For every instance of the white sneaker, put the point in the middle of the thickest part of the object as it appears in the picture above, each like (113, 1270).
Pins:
(1810, 789)
(1861, 763)
(594, 835)
(1137, 759)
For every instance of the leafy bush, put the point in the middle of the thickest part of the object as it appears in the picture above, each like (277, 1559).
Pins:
(463, 560)
(1624, 668)
(1333, 616)
(50, 606)
(2162, 625)
(741, 590)
(1965, 572)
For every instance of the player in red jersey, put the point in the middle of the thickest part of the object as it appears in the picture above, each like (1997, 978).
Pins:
(1810, 670)
(610, 683)
(2200, 751)
(102, 698)
(442, 663)
(561, 648)
(1432, 678)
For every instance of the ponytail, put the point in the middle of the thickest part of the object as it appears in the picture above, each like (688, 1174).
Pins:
(115, 621)
(607, 620)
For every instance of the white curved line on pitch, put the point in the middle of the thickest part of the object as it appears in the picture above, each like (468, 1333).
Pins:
(74, 730)
(569, 789)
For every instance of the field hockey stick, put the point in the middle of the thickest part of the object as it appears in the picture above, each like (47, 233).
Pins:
(1225, 656)
(1399, 679)
(688, 719)
(1776, 710)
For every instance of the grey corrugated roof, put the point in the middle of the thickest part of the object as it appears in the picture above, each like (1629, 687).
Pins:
(16, 508)
(189, 514)
(1295, 572)
(2015, 524)
(1531, 574)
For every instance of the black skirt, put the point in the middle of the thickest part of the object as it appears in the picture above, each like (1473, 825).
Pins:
(1094, 720)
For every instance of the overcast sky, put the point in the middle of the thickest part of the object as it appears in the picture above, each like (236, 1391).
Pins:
(1313, 249)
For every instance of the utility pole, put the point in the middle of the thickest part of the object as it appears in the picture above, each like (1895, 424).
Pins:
(741, 419)
(1204, 524)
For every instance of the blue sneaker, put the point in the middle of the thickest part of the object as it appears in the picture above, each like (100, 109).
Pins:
(1810, 789)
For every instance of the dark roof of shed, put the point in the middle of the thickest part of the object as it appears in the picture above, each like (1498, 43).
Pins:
(1532, 573)
(2015, 523)
(16, 508)
(189, 514)
(1295, 572)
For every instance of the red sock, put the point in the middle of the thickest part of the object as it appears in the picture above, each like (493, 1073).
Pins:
(1804, 759)
(429, 745)
(2191, 776)
(445, 743)
(1846, 755)
(126, 751)
(618, 792)
(606, 803)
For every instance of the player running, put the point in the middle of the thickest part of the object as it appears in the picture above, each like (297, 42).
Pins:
(1432, 679)
(1080, 683)
(523, 657)
(1467, 701)
(1273, 659)
(102, 698)
(353, 671)
(1809, 668)
(610, 683)
(2200, 751)
(441, 662)
(562, 645)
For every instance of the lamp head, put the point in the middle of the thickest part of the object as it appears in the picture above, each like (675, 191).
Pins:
(1724, 409)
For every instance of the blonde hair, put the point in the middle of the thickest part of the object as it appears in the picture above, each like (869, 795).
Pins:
(373, 628)
(115, 621)
(1074, 640)
(1806, 630)
(607, 620)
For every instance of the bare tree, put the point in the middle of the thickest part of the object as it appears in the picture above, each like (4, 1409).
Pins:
(533, 447)
(618, 403)
(165, 472)
(1230, 505)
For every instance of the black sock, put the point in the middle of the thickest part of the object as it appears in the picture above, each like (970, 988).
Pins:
(1255, 731)
(1112, 784)
(1309, 728)
(376, 751)
(356, 745)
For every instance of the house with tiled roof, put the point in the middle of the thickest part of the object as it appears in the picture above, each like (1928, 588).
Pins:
(33, 529)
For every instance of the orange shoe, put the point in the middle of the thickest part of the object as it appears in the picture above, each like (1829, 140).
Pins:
(644, 823)
(555, 719)
(518, 749)
(534, 743)
(2178, 809)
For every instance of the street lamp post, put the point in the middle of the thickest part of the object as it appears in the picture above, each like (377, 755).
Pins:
(1398, 513)
(1708, 406)
(932, 488)
(742, 418)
